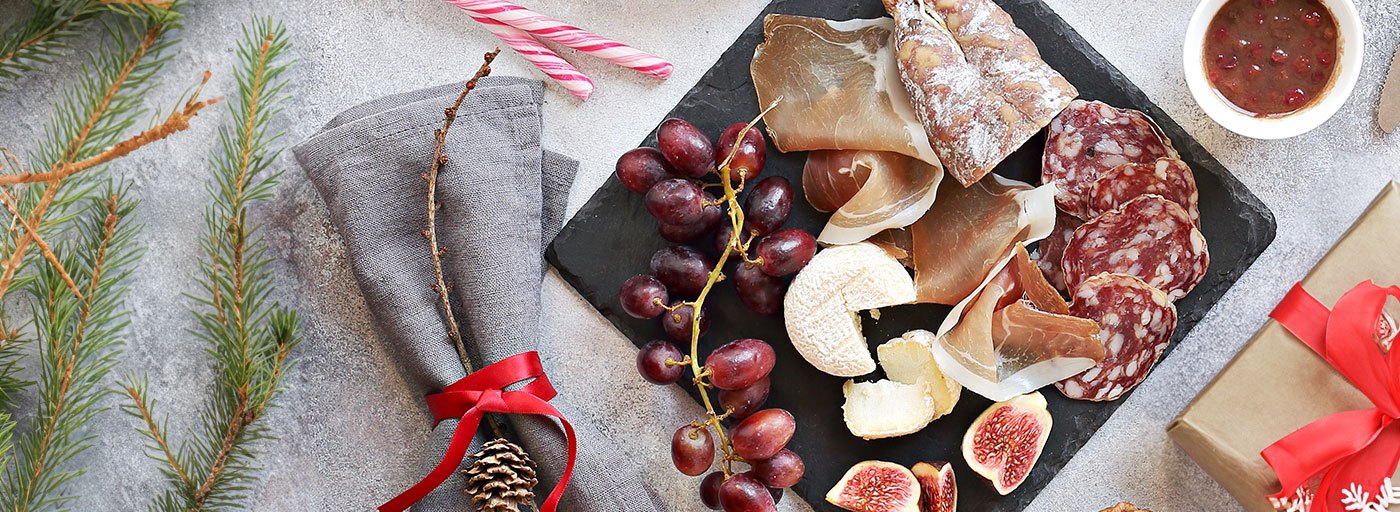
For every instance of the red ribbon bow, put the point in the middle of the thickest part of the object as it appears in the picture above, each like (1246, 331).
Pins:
(1353, 447)
(473, 397)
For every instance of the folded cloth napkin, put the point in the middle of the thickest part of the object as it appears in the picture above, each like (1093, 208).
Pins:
(503, 199)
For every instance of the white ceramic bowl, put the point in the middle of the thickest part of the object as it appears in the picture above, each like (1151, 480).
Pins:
(1280, 127)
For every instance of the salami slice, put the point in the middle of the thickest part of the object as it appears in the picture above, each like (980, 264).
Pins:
(1087, 140)
(1168, 177)
(1149, 238)
(1135, 324)
(1052, 248)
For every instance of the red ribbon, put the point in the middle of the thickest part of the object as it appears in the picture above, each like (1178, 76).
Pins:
(1363, 446)
(471, 398)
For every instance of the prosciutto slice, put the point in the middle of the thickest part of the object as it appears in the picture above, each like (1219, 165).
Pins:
(897, 191)
(839, 86)
(969, 124)
(969, 231)
(1000, 344)
(831, 178)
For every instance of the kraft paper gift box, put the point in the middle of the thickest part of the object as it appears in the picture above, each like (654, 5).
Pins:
(1276, 384)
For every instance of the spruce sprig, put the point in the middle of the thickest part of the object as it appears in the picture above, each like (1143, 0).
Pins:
(249, 337)
(42, 38)
(77, 341)
(85, 134)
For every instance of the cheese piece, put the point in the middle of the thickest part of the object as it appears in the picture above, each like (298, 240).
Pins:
(821, 309)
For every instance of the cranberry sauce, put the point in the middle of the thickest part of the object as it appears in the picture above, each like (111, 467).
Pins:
(1271, 57)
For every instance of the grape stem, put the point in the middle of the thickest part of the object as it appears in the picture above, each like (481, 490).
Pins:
(736, 219)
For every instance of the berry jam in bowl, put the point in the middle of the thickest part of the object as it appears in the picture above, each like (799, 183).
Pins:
(1272, 69)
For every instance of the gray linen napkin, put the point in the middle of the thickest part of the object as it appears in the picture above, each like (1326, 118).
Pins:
(503, 199)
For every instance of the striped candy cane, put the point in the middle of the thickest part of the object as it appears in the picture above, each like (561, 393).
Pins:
(579, 39)
(541, 56)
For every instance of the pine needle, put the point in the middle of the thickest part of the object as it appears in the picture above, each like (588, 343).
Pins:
(250, 337)
(90, 120)
(78, 342)
(43, 37)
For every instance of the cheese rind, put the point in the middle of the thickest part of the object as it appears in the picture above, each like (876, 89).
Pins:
(822, 305)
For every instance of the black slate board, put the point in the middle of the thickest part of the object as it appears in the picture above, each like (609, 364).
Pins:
(612, 238)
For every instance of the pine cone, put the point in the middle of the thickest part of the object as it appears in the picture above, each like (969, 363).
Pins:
(1124, 507)
(502, 479)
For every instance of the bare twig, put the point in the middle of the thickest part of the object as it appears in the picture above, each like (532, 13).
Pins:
(454, 331)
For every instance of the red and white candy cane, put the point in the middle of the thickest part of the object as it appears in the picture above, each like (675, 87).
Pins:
(542, 57)
(568, 35)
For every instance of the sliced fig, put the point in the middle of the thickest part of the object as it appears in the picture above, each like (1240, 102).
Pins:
(1006, 440)
(876, 486)
(938, 485)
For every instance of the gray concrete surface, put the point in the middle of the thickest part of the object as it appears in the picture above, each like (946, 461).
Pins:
(352, 432)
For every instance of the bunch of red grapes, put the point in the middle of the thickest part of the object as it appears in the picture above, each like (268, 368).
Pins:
(676, 180)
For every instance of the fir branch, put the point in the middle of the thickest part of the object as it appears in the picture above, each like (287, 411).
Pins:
(249, 337)
(42, 37)
(33, 233)
(93, 115)
(39, 39)
(177, 121)
(78, 339)
(454, 331)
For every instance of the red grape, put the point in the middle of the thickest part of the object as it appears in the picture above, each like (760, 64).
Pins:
(683, 270)
(641, 168)
(686, 147)
(676, 201)
(763, 434)
(643, 296)
(681, 233)
(744, 493)
(780, 471)
(740, 363)
(692, 450)
(768, 205)
(749, 160)
(762, 293)
(651, 362)
(677, 322)
(786, 251)
(743, 402)
(709, 489)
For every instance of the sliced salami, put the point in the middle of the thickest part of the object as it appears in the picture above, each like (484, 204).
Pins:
(1136, 322)
(1052, 248)
(1168, 177)
(1090, 138)
(1149, 238)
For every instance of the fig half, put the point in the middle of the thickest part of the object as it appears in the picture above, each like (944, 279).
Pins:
(876, 486)
(1006, 440)
(939, 486)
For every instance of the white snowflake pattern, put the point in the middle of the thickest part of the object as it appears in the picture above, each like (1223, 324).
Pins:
(1356, 499)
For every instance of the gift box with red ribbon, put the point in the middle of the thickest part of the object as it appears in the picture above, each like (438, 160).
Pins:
(1304, 417)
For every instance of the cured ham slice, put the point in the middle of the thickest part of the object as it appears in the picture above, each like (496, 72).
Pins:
(1007, 58)
(970, 125)
(897, 191)
(969, 231)
(1052, 248)
(999, 344)
(830, 178)
(839, 85)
